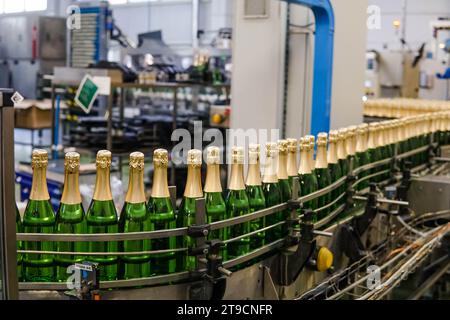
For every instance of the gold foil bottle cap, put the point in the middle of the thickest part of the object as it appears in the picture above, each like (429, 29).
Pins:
(39, 159)
(136, 193)
(213, 155)
(160, 162)
(71, 190)
(194, 158)
(283, 146)
(103, 160)
(212, 182)
(362, 128)
(254, 153)
(137, 161)
(271, 165)
(160, 158)
(373, 126)
(271, 149)
(321, 161)
(303, 143)
(333, 136)
(322, 139)
(237, 155)
(311, 141)
(72, 162)
(343, 132)
(39, 162)
(237, 173)
(292, 145)
(351, 131)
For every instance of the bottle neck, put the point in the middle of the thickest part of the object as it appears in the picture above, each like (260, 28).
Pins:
(237, 177)
(71, 191)
(380, 138)
(360, 143)
(39, 190)
(282, 167)
(135, 193)
(351, 145)
(341, 153)
(193, 187)
(371, 143)
(270, 171)
(102, 191)
(311, 161)
(160, 185)
(292, 168)
(304, 163)
(332, 153)
(212, 183)
(254, 175)
(321, 161)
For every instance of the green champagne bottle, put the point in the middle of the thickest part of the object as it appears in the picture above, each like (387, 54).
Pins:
(342, 158)
(353, 160)
(292, 164)
(39, 218)
(186, 214)
(70, 218)
(391, 137)
(384, 150)
(19, 229)
(342, 151)
(135, 217)
(162, 216)
(308, 183)
(238, 204)
(425, 137)
(256, 198)
(323, 173)
(272, 192)
(362, 153)
(374, 151)
(283, 178)
(333, 164)
(102, 218)
(216, 209)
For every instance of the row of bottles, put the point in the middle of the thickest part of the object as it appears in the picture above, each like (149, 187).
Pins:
(338, 154)
(403, 107)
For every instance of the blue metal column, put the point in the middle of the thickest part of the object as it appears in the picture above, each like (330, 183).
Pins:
(323, 63)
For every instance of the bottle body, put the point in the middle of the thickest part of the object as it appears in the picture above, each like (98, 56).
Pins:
(216, 210)
(162, 217)
(364, 159)
(335, 174)
(135, 217)
(102, 218)
(38, 218)
(273, 196)
(257, 202)
(70, 219)
(323, 180)
(19, 229)
(186, 215)
(238, 205)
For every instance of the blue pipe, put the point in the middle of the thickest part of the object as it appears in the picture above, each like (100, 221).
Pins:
(323, 63)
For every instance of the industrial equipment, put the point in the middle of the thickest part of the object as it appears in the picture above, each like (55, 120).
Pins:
(31, 45)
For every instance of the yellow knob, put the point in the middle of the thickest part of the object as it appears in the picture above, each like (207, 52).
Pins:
(217, 119)
(324, 259)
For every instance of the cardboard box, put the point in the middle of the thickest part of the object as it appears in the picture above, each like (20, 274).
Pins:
(33, 114)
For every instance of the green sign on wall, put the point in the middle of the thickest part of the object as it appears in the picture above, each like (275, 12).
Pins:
(87, 93)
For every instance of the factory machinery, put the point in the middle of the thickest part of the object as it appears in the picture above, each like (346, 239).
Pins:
(363, 234)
